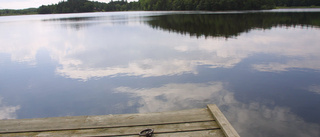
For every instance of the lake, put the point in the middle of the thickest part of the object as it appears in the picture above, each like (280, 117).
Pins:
(262, 68)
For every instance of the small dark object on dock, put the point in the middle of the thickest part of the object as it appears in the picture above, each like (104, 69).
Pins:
(147, 132)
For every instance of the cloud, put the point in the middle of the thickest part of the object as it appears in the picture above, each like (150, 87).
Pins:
(144, 68)
(7, 112)
(175, 96)
(314, 88)
(258, 120)
(310, 63)
(298, 46)
(133, 56)
(136, 50)
(21, 45)
(250, 120)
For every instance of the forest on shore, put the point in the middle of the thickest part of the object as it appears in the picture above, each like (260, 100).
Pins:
(77, 6)
(231, 25)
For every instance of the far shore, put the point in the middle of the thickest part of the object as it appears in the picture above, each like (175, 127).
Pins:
(35, 13)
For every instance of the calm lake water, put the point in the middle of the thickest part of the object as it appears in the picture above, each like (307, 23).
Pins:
(261, 68)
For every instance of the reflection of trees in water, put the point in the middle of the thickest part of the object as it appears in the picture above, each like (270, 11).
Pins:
(229, 25)
(78, 23)
(71, 19)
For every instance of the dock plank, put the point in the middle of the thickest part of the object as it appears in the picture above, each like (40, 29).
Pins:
(129, 131)
(158, 129)
(88, 122)
(205, 133)
(195, 122)
(149, 118)
(41, 124)
(226, 127)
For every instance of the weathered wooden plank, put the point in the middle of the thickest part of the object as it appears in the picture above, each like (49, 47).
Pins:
(204, 133)
(67, 133)
(226, 127)
(87, 122)
(63, 133)
(129, 131)
(41, 124)
(168, 128)
(195, 122)
(149, 118)
(28, 134)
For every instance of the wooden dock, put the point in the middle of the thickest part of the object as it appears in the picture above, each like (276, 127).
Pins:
(206, 122)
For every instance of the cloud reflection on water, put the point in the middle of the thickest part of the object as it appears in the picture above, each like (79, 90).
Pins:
(109, 49)
(7, 112)
(183, 55)
(177, 96)
(250, 120)
(314, 89)
(136, 50)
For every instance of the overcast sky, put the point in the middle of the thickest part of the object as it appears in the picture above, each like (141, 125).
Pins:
(22, 4)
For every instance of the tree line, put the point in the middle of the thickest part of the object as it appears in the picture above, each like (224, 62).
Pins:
(231, 25)
(75, 6)
(214, 5)
(6, 12)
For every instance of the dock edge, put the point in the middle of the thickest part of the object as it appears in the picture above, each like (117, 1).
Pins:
(222, 121)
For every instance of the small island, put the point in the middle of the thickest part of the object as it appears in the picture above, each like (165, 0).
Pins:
(78, 6)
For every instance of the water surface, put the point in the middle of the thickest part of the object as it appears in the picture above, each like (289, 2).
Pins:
(260, 68)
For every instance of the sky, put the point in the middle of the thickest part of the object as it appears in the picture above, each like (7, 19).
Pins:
(23, 4)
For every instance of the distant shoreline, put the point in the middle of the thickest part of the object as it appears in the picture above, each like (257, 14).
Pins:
(85, 6)
(34, 10)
